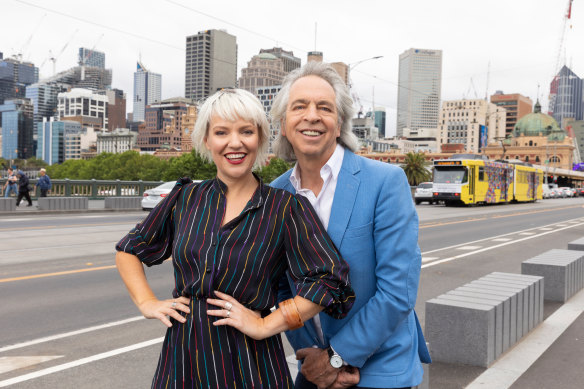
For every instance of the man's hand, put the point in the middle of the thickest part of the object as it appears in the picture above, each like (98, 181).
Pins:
(347, 378)
(316, 367)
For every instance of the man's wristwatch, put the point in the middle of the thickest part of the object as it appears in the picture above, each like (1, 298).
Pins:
(335, 359)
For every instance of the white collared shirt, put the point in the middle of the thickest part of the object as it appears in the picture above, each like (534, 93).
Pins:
(322, 203)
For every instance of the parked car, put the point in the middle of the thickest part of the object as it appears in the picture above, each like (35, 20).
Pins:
(580, 191)
(153, 196)
(567, 191)
(424, 193)
(548, 193)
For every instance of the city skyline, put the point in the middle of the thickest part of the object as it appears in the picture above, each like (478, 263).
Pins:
(473, 39)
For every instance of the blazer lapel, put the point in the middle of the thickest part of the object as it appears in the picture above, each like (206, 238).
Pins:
(344, 200)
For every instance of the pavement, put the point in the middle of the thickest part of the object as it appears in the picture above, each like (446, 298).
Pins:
(548, 357)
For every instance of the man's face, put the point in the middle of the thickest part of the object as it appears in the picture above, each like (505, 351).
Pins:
(312, 125)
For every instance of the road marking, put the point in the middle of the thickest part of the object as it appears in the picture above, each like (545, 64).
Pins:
(12, 363)
(79, 362)
(60, 273)
(468, 247)
(428, 259)
(65, 226)
(496, 246)
(511, 366)
(560, 225)
(68, 334)
(503, 239)
(548, 229)
(527, 233)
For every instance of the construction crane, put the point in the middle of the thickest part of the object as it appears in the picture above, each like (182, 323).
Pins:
(83, 60)
(20, 55)
(555, 77)
(53, 58)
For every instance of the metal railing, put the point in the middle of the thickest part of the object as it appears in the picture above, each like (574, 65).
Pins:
(94, 189)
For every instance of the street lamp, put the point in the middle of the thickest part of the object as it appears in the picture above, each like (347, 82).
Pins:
(355, 96)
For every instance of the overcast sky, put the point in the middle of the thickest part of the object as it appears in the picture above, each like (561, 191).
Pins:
(520, 39)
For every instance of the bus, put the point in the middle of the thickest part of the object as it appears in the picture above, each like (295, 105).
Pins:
(479, 181)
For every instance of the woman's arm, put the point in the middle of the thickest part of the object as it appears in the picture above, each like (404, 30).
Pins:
(132, 273)
(250, 323)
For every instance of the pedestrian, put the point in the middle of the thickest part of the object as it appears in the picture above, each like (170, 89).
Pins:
(231, 239)
(11, 184)
(23, 188)
(367, 209)
(44, 182)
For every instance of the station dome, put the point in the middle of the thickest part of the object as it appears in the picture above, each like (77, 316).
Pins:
(538, 123)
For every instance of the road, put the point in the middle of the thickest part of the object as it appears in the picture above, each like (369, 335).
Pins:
(67, 320)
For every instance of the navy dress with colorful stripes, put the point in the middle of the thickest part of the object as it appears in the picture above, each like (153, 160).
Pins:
(245, 258)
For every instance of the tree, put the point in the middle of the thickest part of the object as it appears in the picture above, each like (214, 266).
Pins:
(273, 170)
(189, 165)
(416, 168)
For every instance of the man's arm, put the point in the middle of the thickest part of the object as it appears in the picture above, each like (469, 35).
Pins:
(397, 272)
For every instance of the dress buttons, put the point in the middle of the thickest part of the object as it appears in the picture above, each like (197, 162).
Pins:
(214, 243)
(209, 268)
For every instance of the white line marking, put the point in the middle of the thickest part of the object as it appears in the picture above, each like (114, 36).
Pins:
(527, 233)
(72, 333)
(12, 363)
(548, 229)
(496, 246)
(468, 247)
(560, 225)
(79, 362)
(504, 372)
(502, 240)
(428, 259)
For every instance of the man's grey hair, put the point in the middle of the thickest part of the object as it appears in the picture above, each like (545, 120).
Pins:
(282, 147)
(231, 105)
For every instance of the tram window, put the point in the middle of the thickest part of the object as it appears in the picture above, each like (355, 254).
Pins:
(450, 176)
(481, 173)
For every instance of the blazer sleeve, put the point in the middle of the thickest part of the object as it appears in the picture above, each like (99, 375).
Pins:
(315, 265)
(397, 271)
(151, 240)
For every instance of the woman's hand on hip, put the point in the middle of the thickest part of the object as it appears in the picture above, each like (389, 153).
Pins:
(237, 316)
(163, 310)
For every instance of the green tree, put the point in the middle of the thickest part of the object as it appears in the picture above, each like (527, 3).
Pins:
(273, 170)
(189, 165)
(416, 168)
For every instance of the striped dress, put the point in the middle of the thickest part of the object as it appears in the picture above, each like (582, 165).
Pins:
(245, 258)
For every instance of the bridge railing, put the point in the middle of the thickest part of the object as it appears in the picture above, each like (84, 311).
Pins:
(93, 189)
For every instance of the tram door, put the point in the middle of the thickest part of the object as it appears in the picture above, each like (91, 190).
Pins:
(471, 184)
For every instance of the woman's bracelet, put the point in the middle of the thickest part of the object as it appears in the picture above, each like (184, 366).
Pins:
(291, 314)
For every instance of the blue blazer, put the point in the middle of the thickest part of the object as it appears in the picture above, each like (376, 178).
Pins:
(374, 224)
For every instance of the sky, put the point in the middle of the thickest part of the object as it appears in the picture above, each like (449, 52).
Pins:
(511, 45)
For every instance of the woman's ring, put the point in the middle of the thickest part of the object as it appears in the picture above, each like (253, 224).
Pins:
(228, 313)
(173, 304)
(228, 306)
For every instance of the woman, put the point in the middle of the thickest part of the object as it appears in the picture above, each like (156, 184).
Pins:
(231, 240)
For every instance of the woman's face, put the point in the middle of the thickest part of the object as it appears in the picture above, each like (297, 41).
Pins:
(233, 146)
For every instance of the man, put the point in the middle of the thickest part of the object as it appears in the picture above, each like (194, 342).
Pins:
(11, 183)
(23, 189)
(368, 211)
(44, 183)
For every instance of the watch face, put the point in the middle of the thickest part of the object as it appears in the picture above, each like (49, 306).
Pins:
(336, 361)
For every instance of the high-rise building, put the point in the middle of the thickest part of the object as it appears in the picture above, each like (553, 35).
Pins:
(118, 141)
(472, 123)
(51, 139)
(263, 70)
(17, 140)
(44, 100)
(147, 90)
(380, 118)
(516, 106)
(163, 125)
(343, 70)
(211, 63)
(419, 88)
(290, 61)
(566, 99)
(85, 107)
(267, 95)
(116, 109)
(89, 57)
(78, 141)
(15, 75)
(314, 56)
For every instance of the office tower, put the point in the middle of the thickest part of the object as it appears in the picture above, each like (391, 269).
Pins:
(118, 141)
(51, 139)
(163, 125)
(17, 140)
(79, 140)
(419, 87)
(290, 61)
(314, 56)
(516, 106)
(263, 70)
(147, 90)
(343, 70)
(116, 109)
(15, 75)
(380, 117)
(211, 63)
(85, 107)
(566, 96)
(267, 95)
(472, 123)
(89, 57)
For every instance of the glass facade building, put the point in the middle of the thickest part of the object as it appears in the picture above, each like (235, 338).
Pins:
(147, 90)
(17, 131)
(51, 139)
(566, 98)
(93, 58)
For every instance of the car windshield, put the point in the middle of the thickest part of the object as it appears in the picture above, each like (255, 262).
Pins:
(449, 175)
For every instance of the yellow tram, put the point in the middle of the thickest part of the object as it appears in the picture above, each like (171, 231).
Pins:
(478, 181)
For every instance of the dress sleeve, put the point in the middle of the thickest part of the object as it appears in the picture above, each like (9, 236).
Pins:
(316, 267)
(151, 239)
